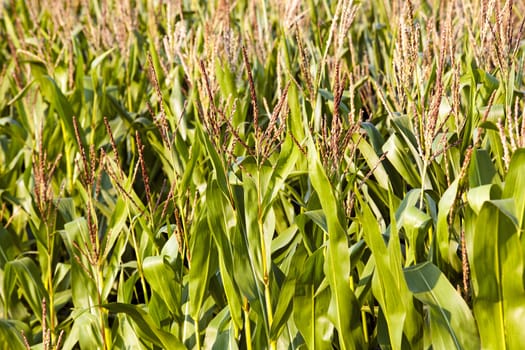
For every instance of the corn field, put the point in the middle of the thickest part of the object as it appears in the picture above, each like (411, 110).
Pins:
(262, 174)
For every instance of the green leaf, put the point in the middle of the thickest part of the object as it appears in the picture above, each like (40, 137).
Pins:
(319, 218)
(97, 61)
(54, 95)
(514, 185)
(388, 284)
(481, 170)
(376, 139)
(200, 248)
(10, 336)
(285, 304)
(162, 280)
(244, 266)
(446, 253)
(280, 172)
(218, 220)
(82, 286)
(416, 224)
(189, 169)
(145, 326)
(85, 331)
(125, 334)
(310, 305)
(373, 161)
(29, 282)
(398, 155)
(476, 197)
(497, 277)
(218, 166)
(450, 319)
(220, 333)
(255, 238)
(295, 121)
(344, 311)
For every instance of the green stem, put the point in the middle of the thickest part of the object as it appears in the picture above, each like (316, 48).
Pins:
(139, 267)
(247, 328)
(365, 329)
(102, 312)
(266, 278)
(423, 179)
(197, 335)
(49, 282)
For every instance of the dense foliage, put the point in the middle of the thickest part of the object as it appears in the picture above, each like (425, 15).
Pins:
(262, 174)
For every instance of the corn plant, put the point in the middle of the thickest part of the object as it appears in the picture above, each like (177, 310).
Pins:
(262, 175)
